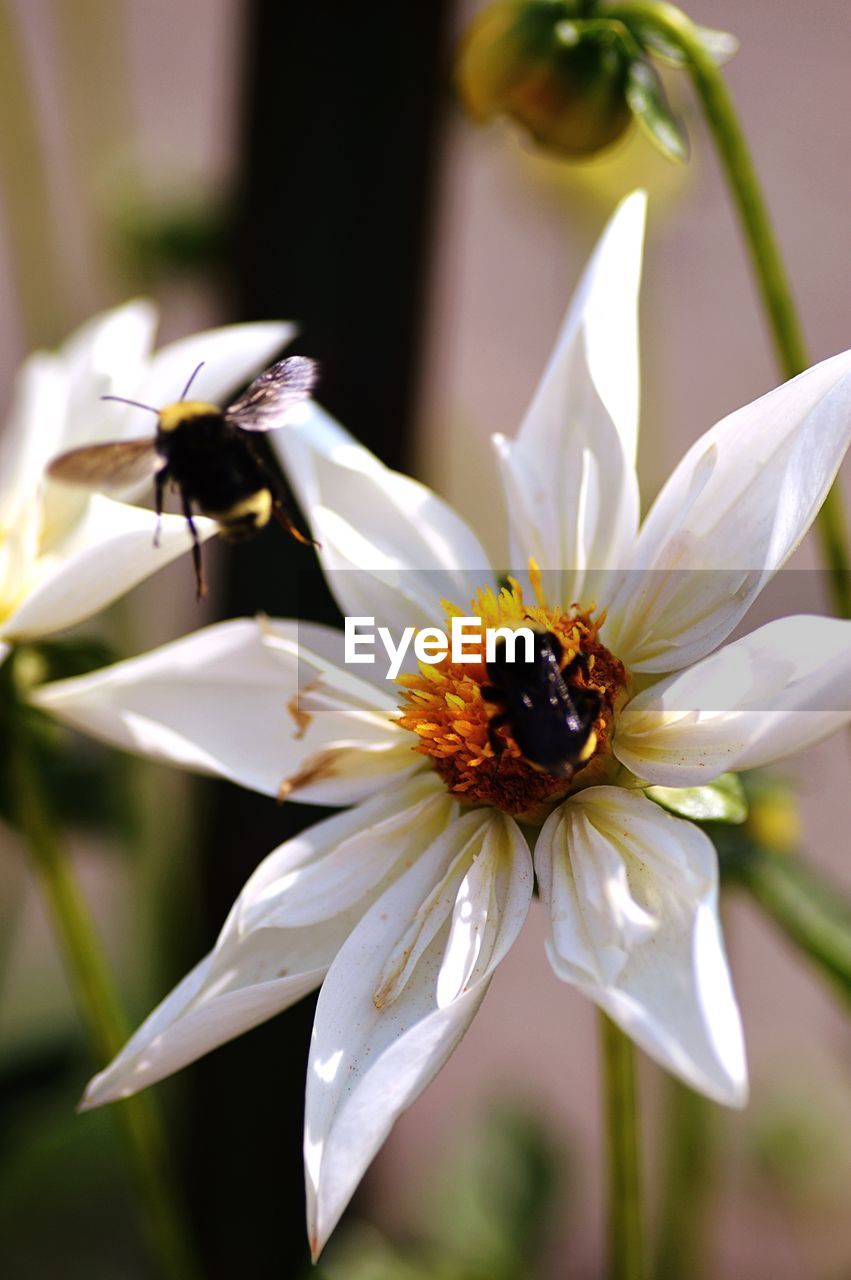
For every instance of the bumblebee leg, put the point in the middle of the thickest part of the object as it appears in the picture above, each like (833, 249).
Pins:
(280, 507)
(490, 693)
(200, 584)
(495, 722)
(159, 491)
(284, 519)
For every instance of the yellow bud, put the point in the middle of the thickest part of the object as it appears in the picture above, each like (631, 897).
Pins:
(527, 60)
(773, 819)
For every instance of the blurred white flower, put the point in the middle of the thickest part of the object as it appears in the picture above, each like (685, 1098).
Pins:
(405, 902)
(65, 554)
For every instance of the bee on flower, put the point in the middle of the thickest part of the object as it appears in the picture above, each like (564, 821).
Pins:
(403, 903)
(66, 554)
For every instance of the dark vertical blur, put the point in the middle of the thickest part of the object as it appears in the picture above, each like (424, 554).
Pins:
(340, 122)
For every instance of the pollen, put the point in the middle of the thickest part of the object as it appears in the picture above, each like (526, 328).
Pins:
(444, 706)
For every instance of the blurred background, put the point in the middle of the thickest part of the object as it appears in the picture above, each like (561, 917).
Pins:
(307, 159)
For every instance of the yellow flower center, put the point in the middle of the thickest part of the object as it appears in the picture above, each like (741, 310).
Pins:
(444, 705)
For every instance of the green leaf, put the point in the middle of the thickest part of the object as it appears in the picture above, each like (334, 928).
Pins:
(723, 800)
(812, 912)
(720, 45)
(645, 94)
(490, 1213)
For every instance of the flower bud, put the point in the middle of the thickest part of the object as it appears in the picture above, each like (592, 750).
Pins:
(528, 60)
(773, 819)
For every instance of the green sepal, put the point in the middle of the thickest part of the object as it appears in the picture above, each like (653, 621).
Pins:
(720, 45)
(723, 800)
(646, 97)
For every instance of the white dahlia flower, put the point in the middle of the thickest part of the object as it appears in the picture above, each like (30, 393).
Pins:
(403, 904)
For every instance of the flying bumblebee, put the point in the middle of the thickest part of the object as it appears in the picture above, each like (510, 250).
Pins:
(207, 454)
(550, 719)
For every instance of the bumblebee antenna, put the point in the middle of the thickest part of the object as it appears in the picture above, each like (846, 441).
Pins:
(137, 404)
(195, 373)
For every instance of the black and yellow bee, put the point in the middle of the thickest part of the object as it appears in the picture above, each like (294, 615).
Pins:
(548, 716)
(207, 454)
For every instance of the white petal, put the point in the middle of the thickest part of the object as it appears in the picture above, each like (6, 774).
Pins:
(334, 864)
(267, 957)
(109, 552)
(106, 356)
(221, 701)
(367, 1064)
(31, 435)
(391, 549)
(569, 477)
(666, 983)
(778, 690)
(602, 324)
(729, 517)
(231, 356)
(213, 1004)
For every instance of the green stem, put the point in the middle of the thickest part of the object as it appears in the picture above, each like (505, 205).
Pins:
(90, 980)
(626, 1241)
(813, 914)
(760, 239)
(687, 1176)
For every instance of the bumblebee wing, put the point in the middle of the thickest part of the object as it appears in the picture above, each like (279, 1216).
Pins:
(115, 465)
(270, 397)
